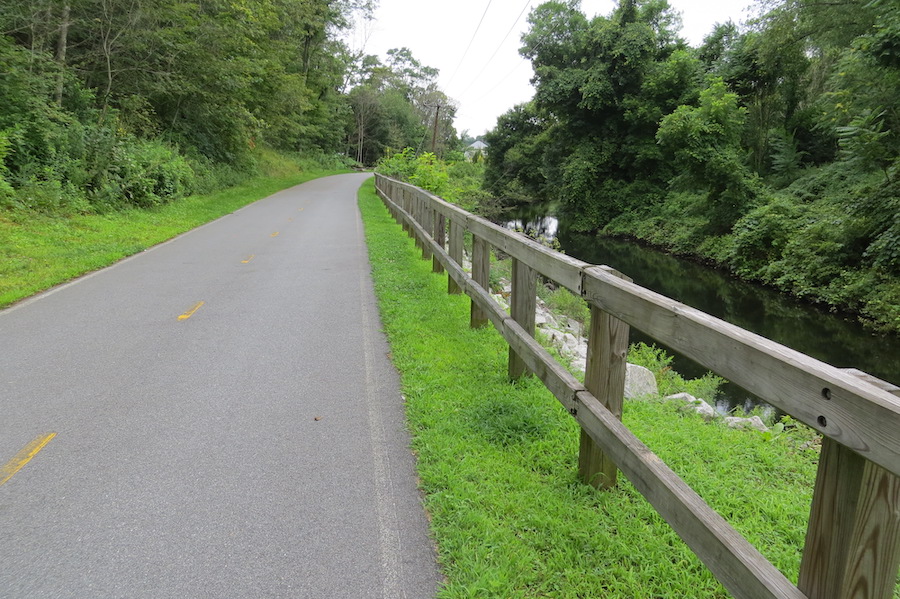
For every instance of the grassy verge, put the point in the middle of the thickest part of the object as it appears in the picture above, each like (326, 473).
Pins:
(497, 461)
(38, 250)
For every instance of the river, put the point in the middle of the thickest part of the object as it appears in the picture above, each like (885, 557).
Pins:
(836, 339)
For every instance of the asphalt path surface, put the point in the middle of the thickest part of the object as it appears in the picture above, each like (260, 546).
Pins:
(252, 445)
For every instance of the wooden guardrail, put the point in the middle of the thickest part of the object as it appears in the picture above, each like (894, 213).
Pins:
(852, 548)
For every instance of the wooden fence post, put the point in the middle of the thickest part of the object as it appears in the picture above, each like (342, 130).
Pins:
(852, 548)
(404, 203)
(457, 241)
(481, 274)
(522, 306)
(604, 378)
(427, 222)
(440, 235)
(396, 202)
(411, 210)
(391, 192)
(419, 210)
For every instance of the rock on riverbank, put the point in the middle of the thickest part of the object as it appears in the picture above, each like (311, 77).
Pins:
(568, 337)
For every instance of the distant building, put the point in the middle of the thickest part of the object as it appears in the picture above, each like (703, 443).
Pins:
(479, 147)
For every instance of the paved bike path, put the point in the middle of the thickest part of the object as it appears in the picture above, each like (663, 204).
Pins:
(252, 445)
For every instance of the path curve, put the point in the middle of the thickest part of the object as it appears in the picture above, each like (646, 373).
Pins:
(228, 423)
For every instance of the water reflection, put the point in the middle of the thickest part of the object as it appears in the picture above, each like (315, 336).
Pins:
(533, 221)
(832, 338)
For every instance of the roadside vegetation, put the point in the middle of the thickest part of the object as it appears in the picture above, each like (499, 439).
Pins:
(122, 124)
(497, 461)
(454, 179)
(772, 149)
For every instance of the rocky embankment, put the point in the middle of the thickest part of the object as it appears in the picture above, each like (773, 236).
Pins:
(567, 335)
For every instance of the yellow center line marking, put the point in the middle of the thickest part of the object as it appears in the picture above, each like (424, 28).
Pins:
(24, 456)
(249, 258)
(290, 220)
(190, 312)
(301, 210)
(275, 234)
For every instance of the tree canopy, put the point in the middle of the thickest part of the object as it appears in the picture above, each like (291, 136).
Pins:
(111, 102)
(772, 148)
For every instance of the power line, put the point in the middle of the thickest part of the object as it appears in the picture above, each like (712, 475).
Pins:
(524, 8)
(455, 71)
(505, 77)
(523, 60)
(425, 135)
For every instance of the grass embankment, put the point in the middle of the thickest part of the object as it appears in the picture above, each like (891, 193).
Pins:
(40, 250)
(497, 461)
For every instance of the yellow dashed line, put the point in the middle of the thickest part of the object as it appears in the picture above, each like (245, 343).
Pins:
(275, 234)
(190, 312)
(24, 456)
(249, 258)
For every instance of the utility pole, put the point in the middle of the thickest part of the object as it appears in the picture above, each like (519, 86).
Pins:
(437, 112)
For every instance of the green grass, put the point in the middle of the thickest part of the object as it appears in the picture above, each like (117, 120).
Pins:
(497, 461)
(38, 250)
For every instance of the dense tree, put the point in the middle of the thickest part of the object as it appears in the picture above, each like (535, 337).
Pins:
(98, 88)
(705, 146)
(514, 164)
(811, 82)
(602, 86)
(772, 149)
(397, 105)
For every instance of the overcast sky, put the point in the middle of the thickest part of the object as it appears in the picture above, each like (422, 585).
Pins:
(491, 77)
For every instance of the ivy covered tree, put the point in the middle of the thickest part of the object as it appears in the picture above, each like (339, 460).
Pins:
(514, 168)
(601, 88)
(704, 143)
(772, 148)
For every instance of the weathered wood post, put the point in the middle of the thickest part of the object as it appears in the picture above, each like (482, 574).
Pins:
(390, 192)
(385, 187)
(409, 206)
(418, 211)
(403, 201)
(604, 378)
(481, 274)
(393, 196)
(410, 202)
(522, 302)
(440, 236)
(852, 548)
(427, 222)
(457, 241)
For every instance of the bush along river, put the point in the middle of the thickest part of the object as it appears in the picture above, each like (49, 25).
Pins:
(833, 338)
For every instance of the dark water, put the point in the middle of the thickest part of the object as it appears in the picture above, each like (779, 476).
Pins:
(833, 338)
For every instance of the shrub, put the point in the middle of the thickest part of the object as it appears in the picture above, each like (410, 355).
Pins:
(142, 173)
(882, 206)
(761, 235)
(425, 171)
(668, 381)
(399, 165)
(7, 194)
(430, 174)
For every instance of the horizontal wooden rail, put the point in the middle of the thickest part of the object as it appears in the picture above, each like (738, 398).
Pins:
(841, 406)
(855, 415)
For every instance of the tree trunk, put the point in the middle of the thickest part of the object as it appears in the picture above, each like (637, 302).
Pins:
(360, 128)
(62, 43)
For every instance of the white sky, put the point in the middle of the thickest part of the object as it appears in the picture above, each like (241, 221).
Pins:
(437, 33)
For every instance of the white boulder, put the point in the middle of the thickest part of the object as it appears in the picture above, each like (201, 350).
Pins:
(697, 405)
(639, 382)
(754, 422)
